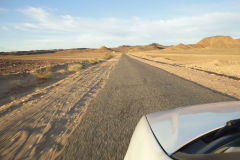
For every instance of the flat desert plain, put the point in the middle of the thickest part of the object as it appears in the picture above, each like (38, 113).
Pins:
(20, 74)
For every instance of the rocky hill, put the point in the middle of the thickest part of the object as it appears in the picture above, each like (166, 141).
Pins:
(210, 42)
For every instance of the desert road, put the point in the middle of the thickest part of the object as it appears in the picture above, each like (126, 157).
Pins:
(132, 90)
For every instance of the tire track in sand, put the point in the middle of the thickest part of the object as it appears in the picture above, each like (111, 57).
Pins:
(40, 123)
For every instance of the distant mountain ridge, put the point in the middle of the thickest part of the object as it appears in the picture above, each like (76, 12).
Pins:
(211, 42)
(126, 48)
(104, 48)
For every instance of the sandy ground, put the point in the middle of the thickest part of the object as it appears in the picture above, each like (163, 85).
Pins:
(197, 66)
(22, 74)
(220, 61)
(15, 64)
(37, 125)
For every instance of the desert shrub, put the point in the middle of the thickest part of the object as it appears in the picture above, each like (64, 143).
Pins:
(74, 67)
(108, 56)
(85, 63)
(61, 71)
(93, 61)
(43, 73)
(12, 98)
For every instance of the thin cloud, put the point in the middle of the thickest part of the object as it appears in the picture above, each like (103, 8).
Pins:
(5, 28)
(3, 9)
(37, 14)
(90, 32)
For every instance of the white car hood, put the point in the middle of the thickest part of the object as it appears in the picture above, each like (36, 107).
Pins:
(175, 128)
(143, 145)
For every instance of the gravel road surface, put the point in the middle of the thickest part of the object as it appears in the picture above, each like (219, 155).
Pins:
(132, 90)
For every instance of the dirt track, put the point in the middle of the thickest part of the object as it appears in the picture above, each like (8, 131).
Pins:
(37, 125)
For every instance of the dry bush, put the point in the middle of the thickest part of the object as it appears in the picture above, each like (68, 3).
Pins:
(43, 73)
(74, 67)
(93, 61)
(108, 56)
(85, 63)
(61, 71)
(12, 98)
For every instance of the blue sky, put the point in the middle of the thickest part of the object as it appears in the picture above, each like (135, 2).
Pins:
(49, 24)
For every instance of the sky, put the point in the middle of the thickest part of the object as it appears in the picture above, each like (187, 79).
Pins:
(58, 24)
